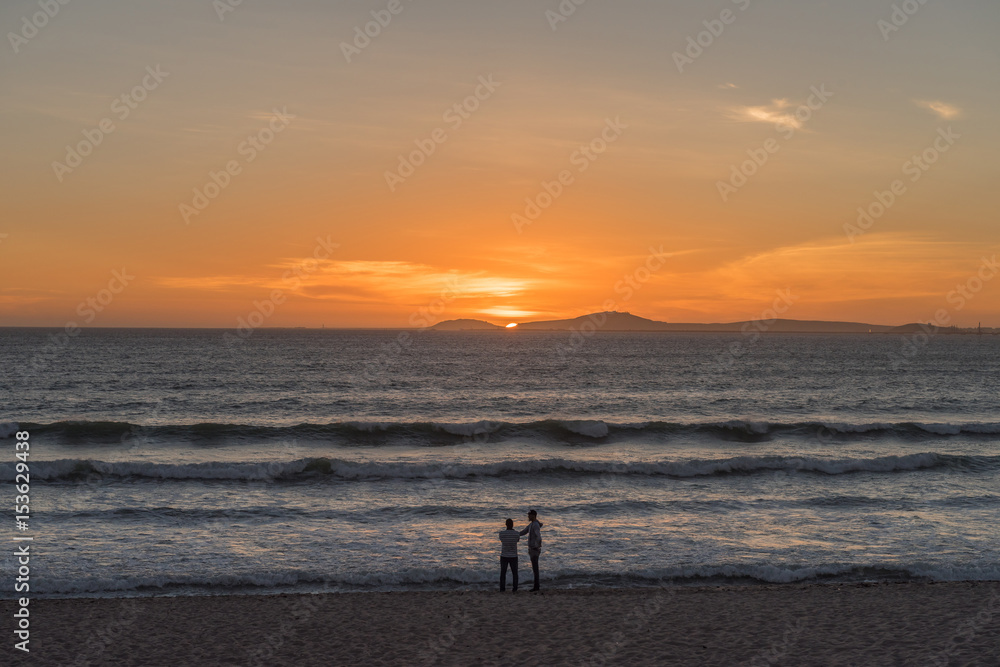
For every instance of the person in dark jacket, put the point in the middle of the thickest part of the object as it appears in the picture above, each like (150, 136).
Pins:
(534, 533)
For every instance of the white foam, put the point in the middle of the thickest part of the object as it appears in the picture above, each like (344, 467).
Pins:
(591, 429)
(446, 578)
(369, 427)
(470, 429)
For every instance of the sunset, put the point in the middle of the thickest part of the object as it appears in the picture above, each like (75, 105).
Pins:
(326, 327)
(430, 161)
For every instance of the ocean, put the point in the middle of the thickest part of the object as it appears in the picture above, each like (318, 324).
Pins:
(190, 462)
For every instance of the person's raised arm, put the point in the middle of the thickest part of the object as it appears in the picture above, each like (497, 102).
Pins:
(526, 529)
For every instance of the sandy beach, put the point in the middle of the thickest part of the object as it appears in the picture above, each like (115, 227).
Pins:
(877, 624)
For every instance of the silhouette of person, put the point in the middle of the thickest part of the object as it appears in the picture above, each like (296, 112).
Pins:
(534, 533)
(508, 554)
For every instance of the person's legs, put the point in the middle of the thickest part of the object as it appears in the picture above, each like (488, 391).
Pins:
(503, 574)
(513, 572)
(534, 553)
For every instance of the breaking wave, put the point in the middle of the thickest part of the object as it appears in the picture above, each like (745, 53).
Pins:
(366, 433)
(77, 470)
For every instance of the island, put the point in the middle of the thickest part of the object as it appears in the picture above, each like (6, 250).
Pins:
(611, 321)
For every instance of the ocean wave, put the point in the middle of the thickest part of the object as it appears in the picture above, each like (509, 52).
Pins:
(83, 470)
(570, 431)
(452, 578)
(257, 515)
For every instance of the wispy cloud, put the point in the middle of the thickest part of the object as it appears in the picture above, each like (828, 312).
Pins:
(207, 283)
(895, 270)
(779, 112)
(942, 109)
(375, 281)
(881, 267)
(509, 312)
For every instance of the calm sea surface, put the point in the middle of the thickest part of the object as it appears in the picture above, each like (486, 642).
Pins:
(174, 461)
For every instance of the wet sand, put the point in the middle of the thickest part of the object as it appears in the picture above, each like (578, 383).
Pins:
(865, 624)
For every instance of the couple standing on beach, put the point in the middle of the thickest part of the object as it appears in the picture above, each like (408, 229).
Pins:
(508, 549)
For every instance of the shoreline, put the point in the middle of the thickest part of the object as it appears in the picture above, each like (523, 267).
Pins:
(791, 624)
(555, 588)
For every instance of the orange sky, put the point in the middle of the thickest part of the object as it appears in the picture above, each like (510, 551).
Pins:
(452, 239)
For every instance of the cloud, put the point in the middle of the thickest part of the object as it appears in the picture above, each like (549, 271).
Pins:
(779, 112)
(884, 266)
(378, 282)
(942, 109)
(509, 312)
(884, 277)
(207, 283)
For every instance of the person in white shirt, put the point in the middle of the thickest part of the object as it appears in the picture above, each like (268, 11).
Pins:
(508, 554)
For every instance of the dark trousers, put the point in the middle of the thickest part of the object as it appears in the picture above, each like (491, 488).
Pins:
(504, 562)
(534, 554)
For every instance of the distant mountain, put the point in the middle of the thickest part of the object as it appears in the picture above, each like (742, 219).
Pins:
(607, 321)
(465, 325)
(615, 321)
(921, 328)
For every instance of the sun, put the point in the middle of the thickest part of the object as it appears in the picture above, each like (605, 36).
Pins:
(511, 325)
